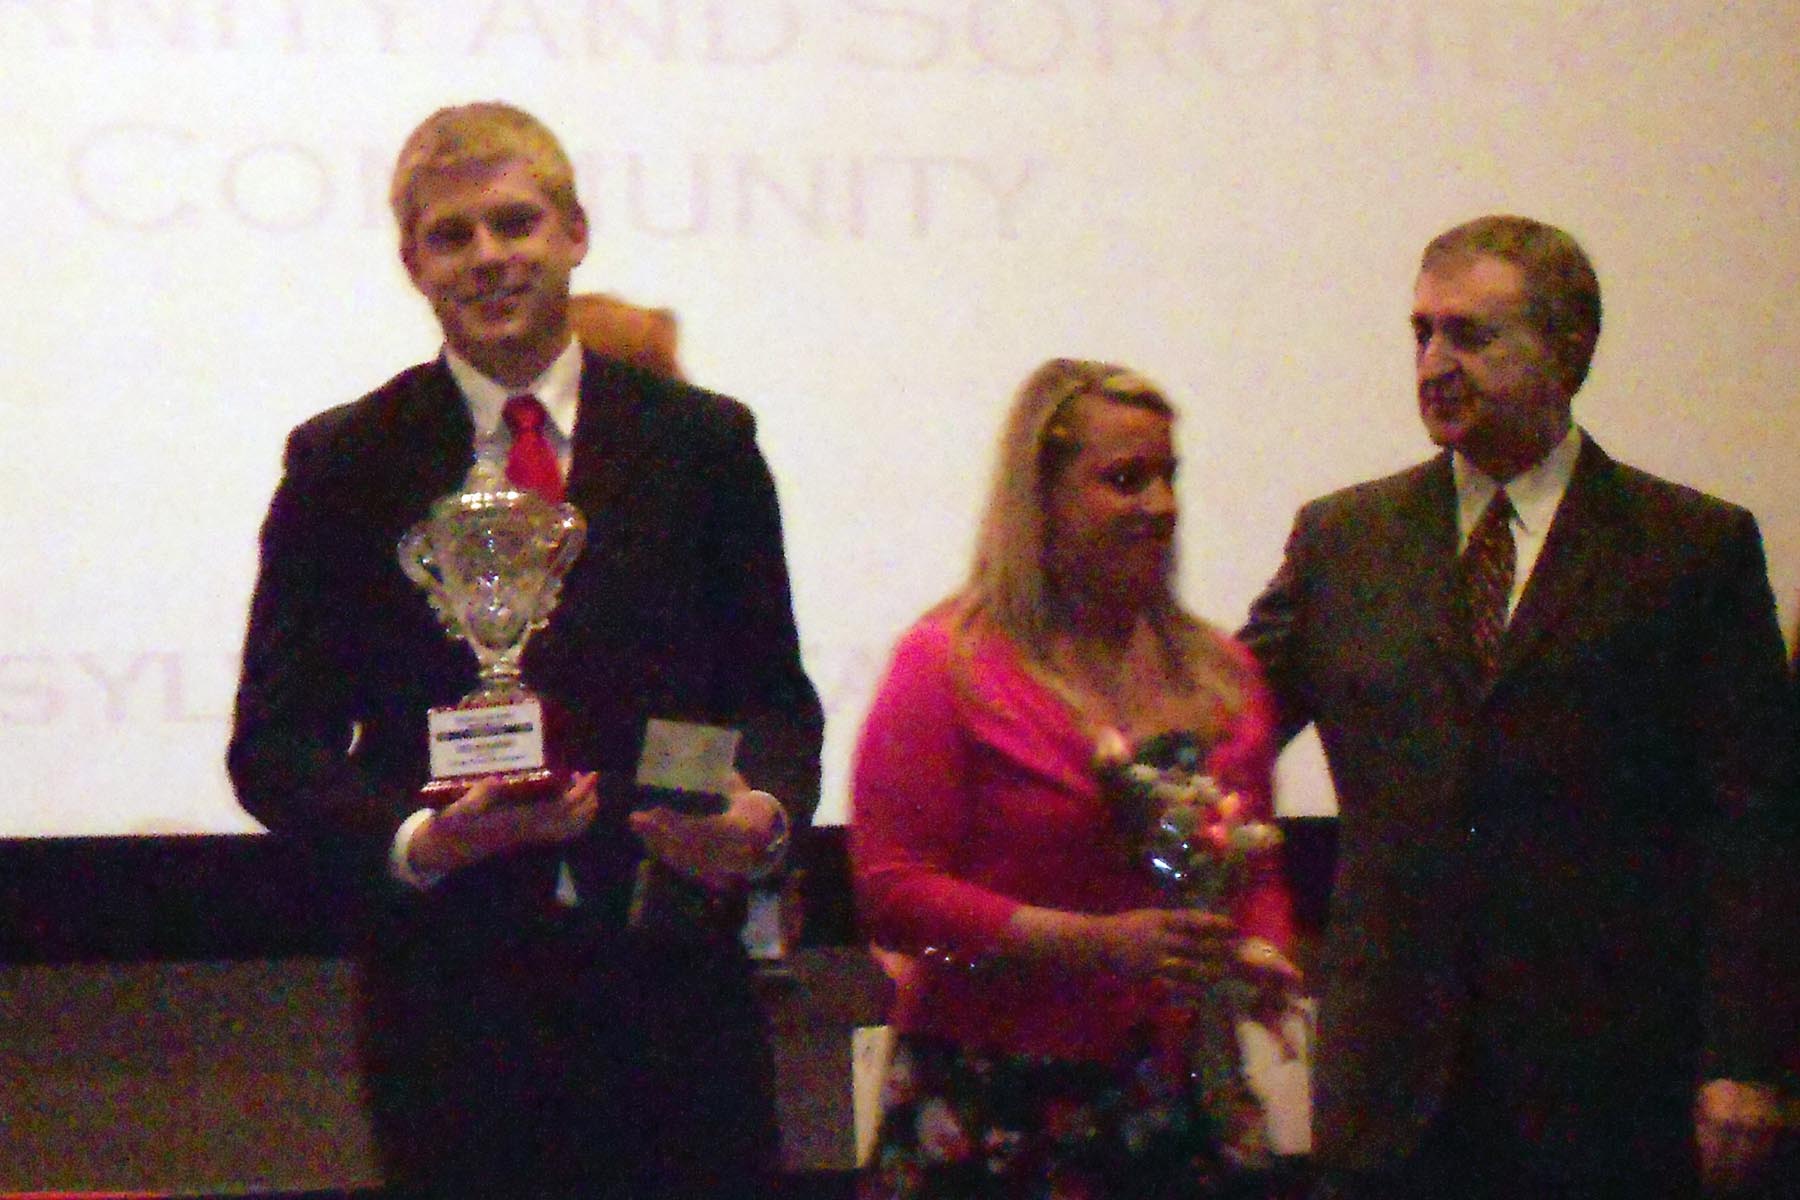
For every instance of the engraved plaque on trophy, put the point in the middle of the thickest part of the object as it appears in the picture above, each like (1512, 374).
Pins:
(491, 560)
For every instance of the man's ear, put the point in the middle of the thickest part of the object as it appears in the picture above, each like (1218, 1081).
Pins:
(406, 258)
(577, 223)
(1580, 350)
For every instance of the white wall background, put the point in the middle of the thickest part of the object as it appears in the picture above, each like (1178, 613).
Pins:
(873, 220)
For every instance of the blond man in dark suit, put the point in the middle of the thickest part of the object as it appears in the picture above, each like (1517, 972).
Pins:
(522, 1036)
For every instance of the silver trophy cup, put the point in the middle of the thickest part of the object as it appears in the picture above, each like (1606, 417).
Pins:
(491, 561)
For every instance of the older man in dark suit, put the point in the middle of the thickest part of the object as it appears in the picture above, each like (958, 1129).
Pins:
(1549, 688)
(524, 1037)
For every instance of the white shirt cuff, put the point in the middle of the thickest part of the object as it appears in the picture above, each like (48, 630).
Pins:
(399, 857)
(775, 853)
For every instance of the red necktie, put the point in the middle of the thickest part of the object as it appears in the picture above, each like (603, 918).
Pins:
(1487, 570)
(531, 463)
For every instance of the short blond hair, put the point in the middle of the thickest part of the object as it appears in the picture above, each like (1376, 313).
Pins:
(486, 133)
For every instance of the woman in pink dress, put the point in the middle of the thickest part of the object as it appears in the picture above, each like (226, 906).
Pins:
(1041, 967)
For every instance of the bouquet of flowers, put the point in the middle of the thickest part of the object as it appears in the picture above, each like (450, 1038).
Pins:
(1196, 842)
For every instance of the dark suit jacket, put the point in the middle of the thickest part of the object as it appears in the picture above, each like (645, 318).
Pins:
(679, 606)
(1555, 878)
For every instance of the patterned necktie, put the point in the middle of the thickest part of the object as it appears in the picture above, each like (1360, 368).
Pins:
(1487, 571)
(531, 463)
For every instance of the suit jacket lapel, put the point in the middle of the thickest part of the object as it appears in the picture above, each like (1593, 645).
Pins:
(1426, 563)
(609, 436)
(435, 444)
(1580, 538)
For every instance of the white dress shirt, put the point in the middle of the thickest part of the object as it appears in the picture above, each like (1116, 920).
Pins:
(1535, 494)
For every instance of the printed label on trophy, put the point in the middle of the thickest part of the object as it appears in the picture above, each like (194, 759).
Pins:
(491, 740)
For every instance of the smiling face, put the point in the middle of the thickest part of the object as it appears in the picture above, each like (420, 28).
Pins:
(1111, 510)
(492, 253)
(1488, 384)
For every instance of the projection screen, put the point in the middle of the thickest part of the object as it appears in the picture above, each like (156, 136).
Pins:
(872, 220)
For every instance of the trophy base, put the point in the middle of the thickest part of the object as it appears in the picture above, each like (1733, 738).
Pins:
(510, 787)
(508, 738)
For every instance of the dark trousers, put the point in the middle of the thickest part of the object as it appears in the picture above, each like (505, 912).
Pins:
(566, 1061)
(1619, 1135)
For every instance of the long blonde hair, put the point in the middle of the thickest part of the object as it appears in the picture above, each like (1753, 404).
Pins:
(1009, 591)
